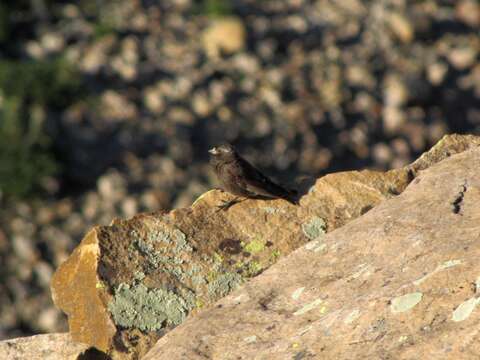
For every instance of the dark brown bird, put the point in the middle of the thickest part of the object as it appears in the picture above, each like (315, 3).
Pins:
(240, 178)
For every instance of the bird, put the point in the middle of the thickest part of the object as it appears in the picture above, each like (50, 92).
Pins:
(240, 178)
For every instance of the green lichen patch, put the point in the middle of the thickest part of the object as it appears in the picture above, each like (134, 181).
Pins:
(223, 284)
(181, 241)
(139, 275)
(314, 228)
(146, 309)
(158, 236)
(153, 257)
(254, 246)
(175, 237)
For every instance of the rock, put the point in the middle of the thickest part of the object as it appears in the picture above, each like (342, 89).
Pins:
(116, 107)
(401, 282)
(436, 72)
(179, 115)
(129, 283)
(129, 207)
(360, 76)
(393, 120)
(48, 318)
(24, 248)
(111, 187)
(382, 153)
(468, 11)
(201, 104)
(463, 57)
(35, 50)
(52, 42)
(153, 100)
(42, 347)
(225, 35)
(93, 315)
(96, 56)
(395, 92)
(401, 27)
(125, 63)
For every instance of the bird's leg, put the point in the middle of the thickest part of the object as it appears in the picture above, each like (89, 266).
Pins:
(227, 204)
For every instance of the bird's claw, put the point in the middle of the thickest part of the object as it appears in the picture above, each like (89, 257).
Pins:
(227, 205)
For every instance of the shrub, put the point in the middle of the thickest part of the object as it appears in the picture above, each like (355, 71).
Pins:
(29, 92)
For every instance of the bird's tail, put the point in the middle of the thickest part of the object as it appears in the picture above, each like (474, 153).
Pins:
(292, 196)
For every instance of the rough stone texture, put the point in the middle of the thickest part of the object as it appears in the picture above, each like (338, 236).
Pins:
(42, 347)
(401, 282)
(448, 145)
(127, 284)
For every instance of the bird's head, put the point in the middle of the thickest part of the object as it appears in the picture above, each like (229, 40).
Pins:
(223, 151)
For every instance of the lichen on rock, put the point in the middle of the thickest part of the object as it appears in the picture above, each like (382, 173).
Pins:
(224, 284)
(136, 306)
(314, 228)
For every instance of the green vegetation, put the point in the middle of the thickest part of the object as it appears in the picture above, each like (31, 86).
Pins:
(29, 92)
(215, 8)
(254, 246)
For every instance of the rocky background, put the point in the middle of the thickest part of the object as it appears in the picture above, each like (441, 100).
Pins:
(107, 108)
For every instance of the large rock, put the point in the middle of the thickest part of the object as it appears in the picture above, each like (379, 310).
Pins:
(400, 282)
(128, 284)
(43, 347)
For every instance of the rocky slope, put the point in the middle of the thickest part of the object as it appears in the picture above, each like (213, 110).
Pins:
(129, 283)
(398, 273)
(303, 87)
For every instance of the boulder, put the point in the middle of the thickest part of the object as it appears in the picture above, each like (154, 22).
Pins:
(128, 284)
(400, 282)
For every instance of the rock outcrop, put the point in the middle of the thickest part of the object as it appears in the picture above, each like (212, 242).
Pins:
(43, 347)
(126, 285)
(401, 282)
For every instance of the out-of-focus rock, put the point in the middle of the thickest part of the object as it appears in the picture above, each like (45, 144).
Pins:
(96, 55)
(42, 347)
(400, 282)
(153, 99)
(401, 27)
(129, 283)
(52, 42)
(116, 107)
(469, 12)
(463, 57)
(225, 35)
(125, 63)
(436, 72)
(395, 92)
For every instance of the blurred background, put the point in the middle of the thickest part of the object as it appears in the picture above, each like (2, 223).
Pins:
(108, 108)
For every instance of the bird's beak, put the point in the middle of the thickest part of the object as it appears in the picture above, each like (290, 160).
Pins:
(213, 151)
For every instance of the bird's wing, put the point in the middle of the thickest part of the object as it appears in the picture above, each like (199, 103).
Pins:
(258, 184)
